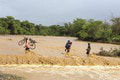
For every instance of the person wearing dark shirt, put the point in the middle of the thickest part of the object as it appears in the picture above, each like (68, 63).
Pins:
(68, 46)
(88, 49)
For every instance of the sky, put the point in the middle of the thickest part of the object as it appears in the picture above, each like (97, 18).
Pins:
(49, 12)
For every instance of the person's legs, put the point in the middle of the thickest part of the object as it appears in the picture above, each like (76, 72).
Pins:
(65, 49)
(88, 52)
(27, 49)
(68, 50)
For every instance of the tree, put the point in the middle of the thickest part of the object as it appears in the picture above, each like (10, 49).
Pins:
(29, 28)
(116, 25)
(69, 29)
(77, 25)
(4, 26)
(89, 30)
(106, 32)
(116, 29)
(94, 30)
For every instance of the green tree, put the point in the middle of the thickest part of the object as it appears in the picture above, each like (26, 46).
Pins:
(106, 32)
(116, 29)
(29, 28)
(77, 25)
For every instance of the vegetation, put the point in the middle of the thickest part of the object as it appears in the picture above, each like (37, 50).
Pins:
(112, 53)
(9, 77)
(88, 30)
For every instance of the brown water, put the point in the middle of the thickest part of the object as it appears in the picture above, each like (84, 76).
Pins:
(36, 67)
(47, 62)
(50, 46)
(32, 58)
(47, 72)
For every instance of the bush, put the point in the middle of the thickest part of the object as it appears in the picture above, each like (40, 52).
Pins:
(116, 39)
(112, 52)
(82, 35)
(9, 77)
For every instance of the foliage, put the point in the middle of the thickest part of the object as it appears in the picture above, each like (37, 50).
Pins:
(10, 77)
(112, 53)
(88, 30)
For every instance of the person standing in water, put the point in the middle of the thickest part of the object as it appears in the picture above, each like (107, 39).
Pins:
(88, 49)
(68, 46)
(27, 46)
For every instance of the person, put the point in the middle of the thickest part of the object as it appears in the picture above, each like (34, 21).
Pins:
(88, 49)
(68, 46)
(27, 46)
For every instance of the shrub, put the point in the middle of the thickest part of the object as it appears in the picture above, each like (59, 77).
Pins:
(116, 39)
(112, 52)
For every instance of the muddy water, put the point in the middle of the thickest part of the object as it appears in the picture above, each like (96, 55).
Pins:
(50, 46)
(46, 72)
(54, 46)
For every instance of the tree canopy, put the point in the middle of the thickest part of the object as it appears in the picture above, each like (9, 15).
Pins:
(89, 30)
